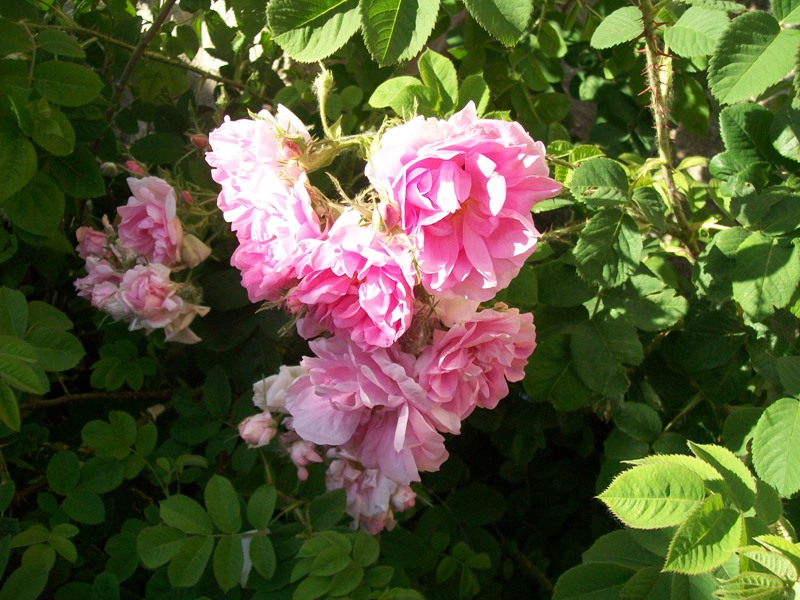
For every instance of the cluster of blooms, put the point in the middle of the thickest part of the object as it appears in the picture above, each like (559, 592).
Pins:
(129, 269)
(387, 289)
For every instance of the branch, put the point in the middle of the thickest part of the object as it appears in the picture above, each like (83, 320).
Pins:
(137, 53)
(66, 398)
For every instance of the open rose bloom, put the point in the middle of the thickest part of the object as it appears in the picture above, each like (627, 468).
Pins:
(387, 288)
(129, 268)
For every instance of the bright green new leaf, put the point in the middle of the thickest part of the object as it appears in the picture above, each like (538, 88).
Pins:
(262, 555)
(696, 32)
(593, 581)
(752, 54)
(38, 207)
(474, 89)
(186, 514)
(600, 182)
(189, 562)
(776, 446)
(786, 11)
(17, 159)
(609, 248)
(751, 585)
(66, 83)
(766, 275)
(405, 95)
(706, 539)
(654, 496)
(788, 549)
(222, 503)
(157, 545)
(63, 472)
(737, 476)
(772, 561)
(505, 20)
(9, 408)
(439, 74)
(310, 30)
(59, 43)
(227, 562)
(623, 25)
(261, 506)
(395, 30)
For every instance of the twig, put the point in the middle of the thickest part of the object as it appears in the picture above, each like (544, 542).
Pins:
(533, 571)
(137, 53)
(67, 398)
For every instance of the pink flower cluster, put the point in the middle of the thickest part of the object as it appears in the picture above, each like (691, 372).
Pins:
(387, 289)
(129, 269)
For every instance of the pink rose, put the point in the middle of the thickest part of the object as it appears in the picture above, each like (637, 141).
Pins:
(101, 287)
(469, 365)
(91, 242)
(177, 330)
(464, 188)
(302, 454)
(253, 157)
(258, 430)
(150, 295)
(357, 281)
(372, 498)
(149, 224)
(367, 402)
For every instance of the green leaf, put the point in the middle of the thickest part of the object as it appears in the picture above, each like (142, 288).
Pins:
(772, 561)
(600, 347)
(17, 159)
(261, 506)
(478, 503)
(217, 393)
(55, 133)
(647, 302)
(702, 469)
(18, 368)
(105, 440)
(330, 561)
(63, 472)
(396, 30)
(310, 30)
(405, 95)
(786, 11)
(366, 549)
(222, 503)
(706, 540)
(600, 182)
(439, 74)
(696, 32)
(64, 547)
(101, 475)
(183, 513)
(78, 174)
(13, 313)
(608, 248)
(474, 89)
(766, 275)
(654, 496)
(639, 421)
(785, 547)
(35, 534)
(7, 490)
(262, 555)
(189, 562)
(621, 26)
(56, 350)
(311, 588)
(327, 510)
(752, 54)
(737, 476)
(620, 548)
(505, 20)
(551, 375)
(347, 580)
(59, 43)
(157, 545)
(789, 373)
(776, 446)
(66, 83)
(228, 561)
(593, 581)
(13, 38)
(38, 207)
(84, 507)
(26, 583)
(158, 148)
(9, 408)
(745, 131)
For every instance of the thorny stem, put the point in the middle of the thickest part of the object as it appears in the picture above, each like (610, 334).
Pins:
(66, 398)
(659, 79)
(137, 53)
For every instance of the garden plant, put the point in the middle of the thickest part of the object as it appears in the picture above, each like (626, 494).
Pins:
(399, 299)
